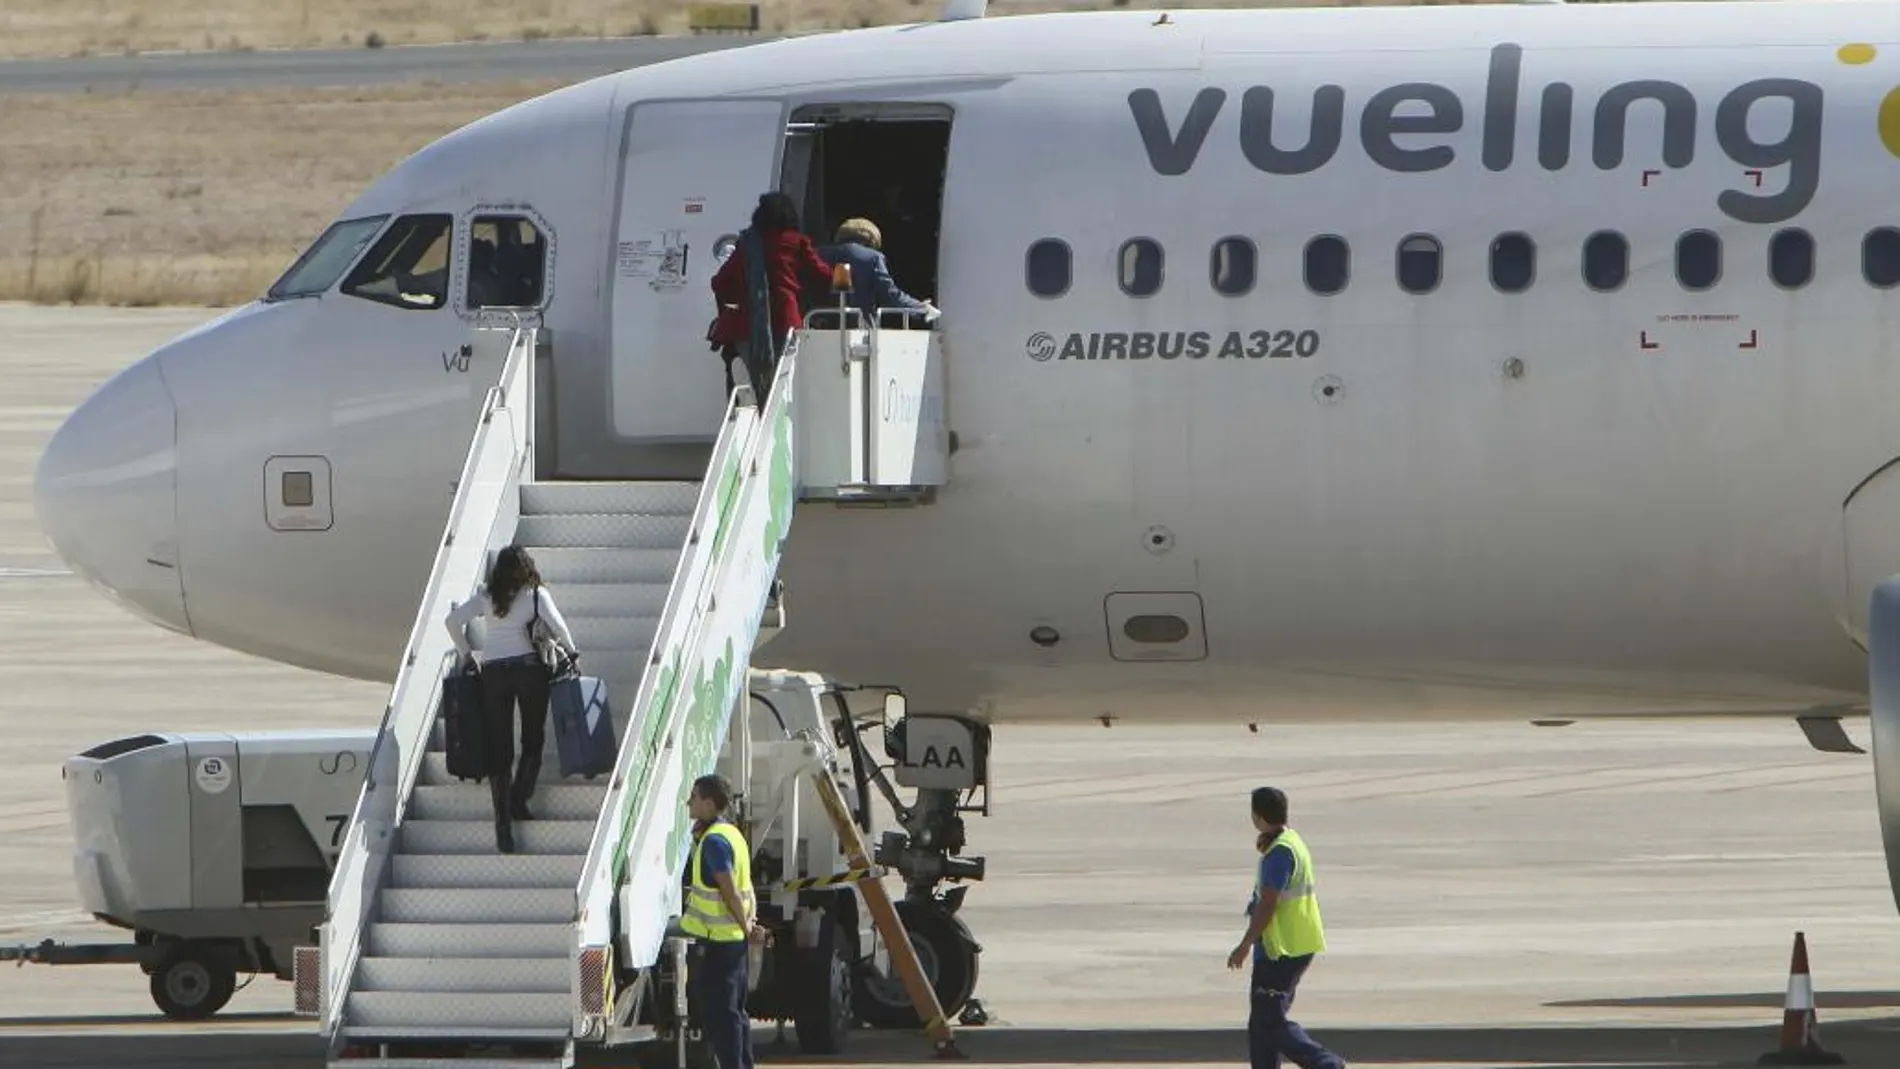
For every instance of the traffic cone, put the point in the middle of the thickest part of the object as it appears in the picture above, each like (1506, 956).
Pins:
(1800, 1031)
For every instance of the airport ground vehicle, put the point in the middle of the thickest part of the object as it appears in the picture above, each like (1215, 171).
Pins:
(214, 849)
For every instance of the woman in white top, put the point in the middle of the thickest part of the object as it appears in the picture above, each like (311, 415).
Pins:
(512, 669)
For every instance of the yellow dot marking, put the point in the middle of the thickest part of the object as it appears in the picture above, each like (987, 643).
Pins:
(1856, 54)
(1889, 121)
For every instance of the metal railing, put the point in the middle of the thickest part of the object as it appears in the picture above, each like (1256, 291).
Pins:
(484, 513)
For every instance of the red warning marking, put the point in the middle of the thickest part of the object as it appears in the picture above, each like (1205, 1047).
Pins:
(1643, 341)
(1756, 175)
(1647, 175)
(1751, 343)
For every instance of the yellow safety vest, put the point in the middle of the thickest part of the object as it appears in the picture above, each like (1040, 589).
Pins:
(705, 914)
(1295, 930)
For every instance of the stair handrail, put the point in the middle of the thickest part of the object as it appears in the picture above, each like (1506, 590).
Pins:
(656, 718)
(500, 455)
(685, 601)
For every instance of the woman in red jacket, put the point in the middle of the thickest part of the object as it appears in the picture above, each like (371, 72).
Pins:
(790, 262)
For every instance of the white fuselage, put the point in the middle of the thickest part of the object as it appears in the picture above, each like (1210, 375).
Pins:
(1466, 501)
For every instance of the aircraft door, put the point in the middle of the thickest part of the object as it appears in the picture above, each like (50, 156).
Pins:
(693, 172)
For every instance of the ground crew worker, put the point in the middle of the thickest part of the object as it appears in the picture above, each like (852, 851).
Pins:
(721, 911)
(1283, 935)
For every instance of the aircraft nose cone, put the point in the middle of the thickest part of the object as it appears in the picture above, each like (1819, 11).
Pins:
(106, 494)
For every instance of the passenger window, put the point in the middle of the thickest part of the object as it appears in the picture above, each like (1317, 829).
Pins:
(507, 262)
(1140, 270)
(408, 267)
(1421, 262)
(1606, 260)
(1232, 266)
(1513, 262)
(325, 260)
(1880, 257)
(1046, 268)
(1328, 264)
(1791, 258)
(1698, 259)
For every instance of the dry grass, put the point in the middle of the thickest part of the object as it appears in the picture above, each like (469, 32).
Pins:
(83, 27)
(147, 198)
(198, 198)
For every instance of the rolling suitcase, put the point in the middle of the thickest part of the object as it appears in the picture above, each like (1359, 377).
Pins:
(583, 725)
(464, 742)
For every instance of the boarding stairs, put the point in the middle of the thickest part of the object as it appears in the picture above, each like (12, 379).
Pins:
(433, 937)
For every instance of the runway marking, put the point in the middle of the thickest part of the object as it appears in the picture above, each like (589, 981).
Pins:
(32, 573)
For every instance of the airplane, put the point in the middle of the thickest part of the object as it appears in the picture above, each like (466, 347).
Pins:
(1500, 361)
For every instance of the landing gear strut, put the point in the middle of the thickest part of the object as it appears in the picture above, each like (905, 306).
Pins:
(946, 759)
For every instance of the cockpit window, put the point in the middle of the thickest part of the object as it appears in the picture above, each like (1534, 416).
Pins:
(325, 261)
(507, 262)
(408, 267)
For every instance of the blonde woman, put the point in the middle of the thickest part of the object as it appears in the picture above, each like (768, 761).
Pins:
(859, 245)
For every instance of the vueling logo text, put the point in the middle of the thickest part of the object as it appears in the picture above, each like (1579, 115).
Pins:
(1431, 108)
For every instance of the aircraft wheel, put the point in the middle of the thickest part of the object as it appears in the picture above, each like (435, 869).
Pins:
(948, 960)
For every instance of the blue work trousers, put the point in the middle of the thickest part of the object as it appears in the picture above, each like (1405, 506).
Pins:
(1270, 1034)
(721, 982)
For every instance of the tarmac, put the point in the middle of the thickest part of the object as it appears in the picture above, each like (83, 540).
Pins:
(1598, 895)
(576, 59)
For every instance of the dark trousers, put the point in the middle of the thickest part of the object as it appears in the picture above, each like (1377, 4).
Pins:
(729, 355)
(719, 990)
(1270, 1035)
(506, 683)
(759, 367)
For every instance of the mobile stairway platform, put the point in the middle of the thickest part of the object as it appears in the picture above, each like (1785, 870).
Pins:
(437, 949)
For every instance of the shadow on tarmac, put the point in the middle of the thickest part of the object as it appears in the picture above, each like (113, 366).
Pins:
(153, 1047)
(1863, 1042)
(1824, 1000)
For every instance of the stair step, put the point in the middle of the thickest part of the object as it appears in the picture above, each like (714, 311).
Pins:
(485, 1037)
(604, 530)
(475, 1012)
(532, 837)
(550, 748)
(473, 871)
(620, 694)
(562, 800)
(609, 599)
(560, 566)
(663, 498)
(387, 940)
(476, 905)
(435, 763)
(550, 1062)
(593, 633)
(542, 976)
